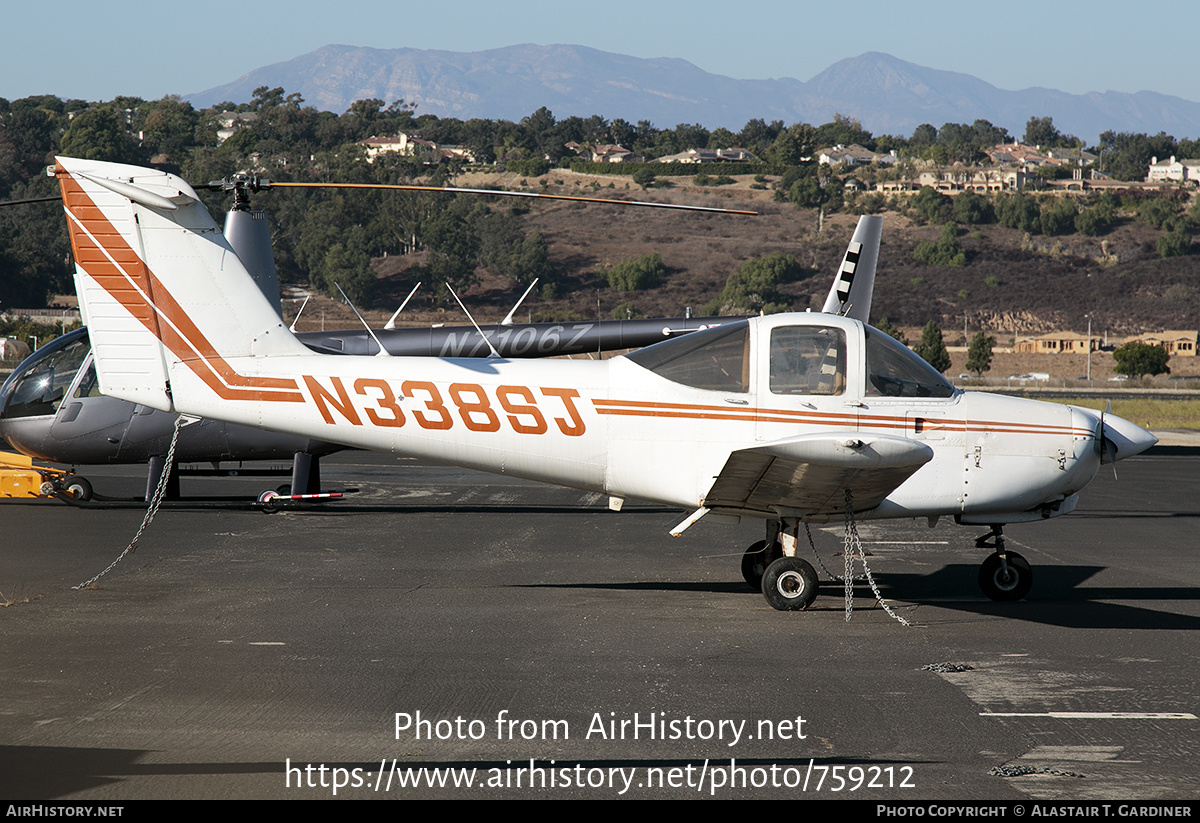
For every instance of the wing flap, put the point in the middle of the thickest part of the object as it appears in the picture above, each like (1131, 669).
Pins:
(808, 475)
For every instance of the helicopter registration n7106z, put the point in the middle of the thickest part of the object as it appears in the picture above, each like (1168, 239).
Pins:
(787, 418)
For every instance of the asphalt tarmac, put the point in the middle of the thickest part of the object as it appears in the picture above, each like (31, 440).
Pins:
(443, 626)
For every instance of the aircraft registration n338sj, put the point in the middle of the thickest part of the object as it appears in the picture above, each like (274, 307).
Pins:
(788, 418)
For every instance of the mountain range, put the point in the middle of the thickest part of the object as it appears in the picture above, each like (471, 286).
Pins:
(886, 94)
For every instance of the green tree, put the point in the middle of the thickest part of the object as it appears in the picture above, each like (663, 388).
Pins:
(755, 286)
(1174, 243)
(979, 354)
(932, 348)
(646, 272)
(644, 176)
(1040, 131)
(1137, 358)
(530, 260)
(453, 251)
(945, 251)
(973, 209)
(1019, 211)
(1157, 211)
(793, 144)
(933, 206)
(1094, 220)
(98, 134)
(1059, 218)
(167, 126)
(345, 264)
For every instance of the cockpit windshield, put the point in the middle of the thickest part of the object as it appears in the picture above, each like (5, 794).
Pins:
(894, 370)
(717, 359)
(38, 385)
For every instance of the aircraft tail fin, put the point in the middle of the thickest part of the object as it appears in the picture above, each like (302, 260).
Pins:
(854, 285)
(144, 247)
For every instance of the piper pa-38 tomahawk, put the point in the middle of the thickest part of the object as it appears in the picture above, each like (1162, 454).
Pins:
(787, 418)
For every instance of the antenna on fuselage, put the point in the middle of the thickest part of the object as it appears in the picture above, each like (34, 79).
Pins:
(391, 324)
(292, 328)
(508, 318)
(382, 351)
(473, 323)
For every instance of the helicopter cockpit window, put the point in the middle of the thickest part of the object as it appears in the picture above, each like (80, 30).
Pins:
(717, 359)
(39, 388)
(808, 360)
(893, 370)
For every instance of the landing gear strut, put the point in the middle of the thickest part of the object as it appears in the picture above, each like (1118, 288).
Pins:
(771, 567)
(1005, 575)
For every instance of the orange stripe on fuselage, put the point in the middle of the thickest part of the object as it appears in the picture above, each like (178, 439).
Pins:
(104, 254)
(688, 411)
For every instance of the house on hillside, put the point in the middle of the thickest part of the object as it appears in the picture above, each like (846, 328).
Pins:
(981, 180)
(229, 122)
(1177, 343)
(734, 155)
(1172, 169)
(1061, 342)
(408, 146)
(854, 155)
(605, 153)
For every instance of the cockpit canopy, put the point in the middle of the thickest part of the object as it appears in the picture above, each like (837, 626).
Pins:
(41, 381)
(815, 355)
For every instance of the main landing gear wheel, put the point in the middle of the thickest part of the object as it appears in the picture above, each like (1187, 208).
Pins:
(1005, 582)
(790, 584)
(755, 562)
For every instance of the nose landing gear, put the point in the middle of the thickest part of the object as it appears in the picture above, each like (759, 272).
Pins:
(1003, 576)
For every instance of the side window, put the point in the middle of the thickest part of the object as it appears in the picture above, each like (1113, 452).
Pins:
(893, 370)
(716, 359)
(808, 360)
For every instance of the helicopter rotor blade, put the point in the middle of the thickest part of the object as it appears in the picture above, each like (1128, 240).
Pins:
(55, 199)
(501, 192)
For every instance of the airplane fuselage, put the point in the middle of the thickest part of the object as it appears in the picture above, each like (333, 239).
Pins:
(618, 428)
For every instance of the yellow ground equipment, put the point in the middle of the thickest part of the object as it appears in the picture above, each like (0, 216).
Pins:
(19, 477)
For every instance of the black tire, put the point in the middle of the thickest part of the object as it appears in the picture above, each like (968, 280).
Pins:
(284, 489)
(996, 585)
(755, 562)
(79, 488)
(267, 501)
(790, 584)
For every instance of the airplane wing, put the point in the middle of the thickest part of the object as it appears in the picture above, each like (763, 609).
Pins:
(808, 475)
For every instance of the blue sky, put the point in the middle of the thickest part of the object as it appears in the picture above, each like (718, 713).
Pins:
(148, 49)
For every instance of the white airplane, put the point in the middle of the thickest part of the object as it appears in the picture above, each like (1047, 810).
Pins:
(788, 418)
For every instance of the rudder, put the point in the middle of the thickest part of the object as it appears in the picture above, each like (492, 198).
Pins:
(145, 247)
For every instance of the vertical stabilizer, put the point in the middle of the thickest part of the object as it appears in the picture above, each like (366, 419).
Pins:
(145, 246)
(854, 285)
